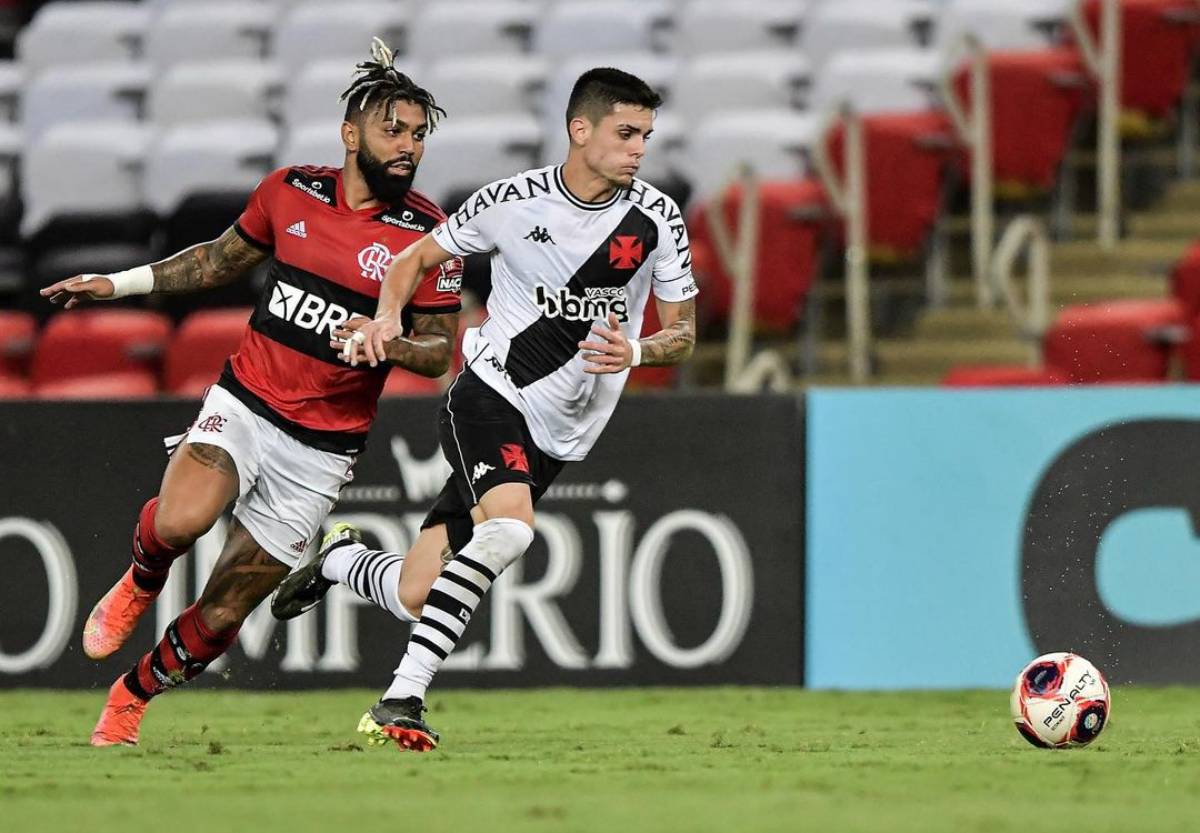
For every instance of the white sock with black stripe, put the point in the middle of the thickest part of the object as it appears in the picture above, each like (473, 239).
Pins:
(495, 544)
(373, 575)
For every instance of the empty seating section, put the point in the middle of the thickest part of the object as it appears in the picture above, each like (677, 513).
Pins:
(135, 128)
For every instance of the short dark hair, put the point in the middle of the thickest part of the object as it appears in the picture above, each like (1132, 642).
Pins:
(599, 90)
(380, 84)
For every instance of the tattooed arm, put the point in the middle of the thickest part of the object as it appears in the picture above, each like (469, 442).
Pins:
(674, 342)
(203, 266)
(426, 352)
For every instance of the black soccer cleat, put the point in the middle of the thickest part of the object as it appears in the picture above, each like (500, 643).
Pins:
(399, 721)
(304, 588)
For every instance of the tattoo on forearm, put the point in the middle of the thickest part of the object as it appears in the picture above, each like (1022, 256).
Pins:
(427, 351)
(207, 265)
(673, 344)
(213, 457)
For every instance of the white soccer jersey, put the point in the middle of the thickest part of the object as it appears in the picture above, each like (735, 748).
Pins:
(558, 266)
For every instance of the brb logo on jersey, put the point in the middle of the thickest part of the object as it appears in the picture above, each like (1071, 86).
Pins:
(595, 305)
(291, 303)
(374, 261)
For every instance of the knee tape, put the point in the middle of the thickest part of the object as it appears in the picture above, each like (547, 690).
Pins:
(499, 542)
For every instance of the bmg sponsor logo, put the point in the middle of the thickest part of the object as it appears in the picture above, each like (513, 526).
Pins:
(595, 304)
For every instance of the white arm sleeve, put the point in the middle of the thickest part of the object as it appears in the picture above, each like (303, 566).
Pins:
(673, 279)
(474, 228)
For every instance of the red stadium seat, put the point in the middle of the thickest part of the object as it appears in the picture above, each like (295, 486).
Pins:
(1121, 341)
(402, 382)
(200, 346)
(907, 155)
(97, 341)
(1185, 281)
(788, 248)
(1157, 41)
(1036, 98)
(1003, 376)
(16, 342)
(14, 387)
(129, 384)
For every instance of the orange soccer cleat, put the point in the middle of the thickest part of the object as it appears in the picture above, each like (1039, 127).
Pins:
(121, 718)
(115, 616)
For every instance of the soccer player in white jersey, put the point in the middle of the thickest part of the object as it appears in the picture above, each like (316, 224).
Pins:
(576, 250)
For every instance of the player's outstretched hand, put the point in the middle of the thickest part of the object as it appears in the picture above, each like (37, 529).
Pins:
(364, 339)
(78, 289)
(609, 350)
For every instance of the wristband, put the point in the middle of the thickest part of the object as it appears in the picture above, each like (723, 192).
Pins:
(136, 281)
(636, 346)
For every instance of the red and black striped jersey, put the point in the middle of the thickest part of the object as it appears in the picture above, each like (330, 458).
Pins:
(328, 265)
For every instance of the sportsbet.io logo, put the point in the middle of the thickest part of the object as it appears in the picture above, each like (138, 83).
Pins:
(595, 305)
(374, 261)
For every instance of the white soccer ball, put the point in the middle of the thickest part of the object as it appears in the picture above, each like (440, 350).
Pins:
(1060, 700)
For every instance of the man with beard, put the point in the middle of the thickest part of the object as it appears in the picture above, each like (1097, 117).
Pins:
(280, 430)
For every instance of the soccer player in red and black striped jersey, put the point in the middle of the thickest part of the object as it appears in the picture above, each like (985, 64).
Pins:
(279, 431)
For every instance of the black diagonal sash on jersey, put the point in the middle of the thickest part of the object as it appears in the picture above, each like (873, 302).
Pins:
(549, 343)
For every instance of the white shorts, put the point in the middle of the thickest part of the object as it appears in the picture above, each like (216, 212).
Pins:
(286, 488)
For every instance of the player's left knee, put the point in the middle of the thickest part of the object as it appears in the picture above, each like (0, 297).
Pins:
(221, 617)
(499, 542)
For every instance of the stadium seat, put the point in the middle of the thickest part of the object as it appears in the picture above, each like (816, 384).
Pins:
(13, 80)
(69, 94)
(1185, 282)
(403, 383)
(99, 341)
(719, 26)
(17, 331)
(81, 33)
(199, 348)
(1156, 32)
(79, 175)
(208, 30)
(473, 28)
(753, 81)
(1007, 25)
(56, 262)
(200, 92)
(1120, 341)
(130, 384)
(316, 31)
(567, 29)
(859, 24)
(1003, 376)
(319, 143)
(772, 141)
(228, 157)
(313, 94)
(14, 387)
(791, 218)
(472, 152)
(471, 87)
(877, 80)
(663, 163)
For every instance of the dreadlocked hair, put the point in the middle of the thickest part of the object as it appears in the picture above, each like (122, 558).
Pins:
(380, 84)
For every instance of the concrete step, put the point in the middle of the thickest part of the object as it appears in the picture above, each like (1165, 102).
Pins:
(1085, 257)
(1090, 289)
(959, 322)
(913, 358)
(1183, 195)
(1181, 226)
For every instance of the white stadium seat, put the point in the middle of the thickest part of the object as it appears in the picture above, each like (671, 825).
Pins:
(720, 26)
(470, 29)
(12, 81)
(663, 159)
(316, 31)
(472, 152)
(198, 92)
(876, 81)
(566, 29)
(1013, 24)
(319, 143)
(470, 87)
(207, 30)
(82, 33)
(60, 94)
(859, 24)
(313, 94)
(739, 81)
(83, 168)
(773, 141)
(206, 158)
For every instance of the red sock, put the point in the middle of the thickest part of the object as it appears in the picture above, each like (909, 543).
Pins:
(186, 649)
(152, 557)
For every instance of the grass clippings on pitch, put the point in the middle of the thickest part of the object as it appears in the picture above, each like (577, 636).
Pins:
(691, 760)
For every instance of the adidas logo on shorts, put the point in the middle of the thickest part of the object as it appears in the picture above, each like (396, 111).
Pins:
(297, 229)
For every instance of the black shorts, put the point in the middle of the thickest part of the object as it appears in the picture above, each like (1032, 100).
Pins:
(487, 443)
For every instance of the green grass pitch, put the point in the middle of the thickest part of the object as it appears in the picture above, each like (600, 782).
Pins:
(724, 759)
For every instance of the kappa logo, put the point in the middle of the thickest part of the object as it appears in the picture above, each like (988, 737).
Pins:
(374, 261)
(305, 310)
(625, 252)
(540, 235)
(212, 424)
(480, 470)
(297, 229)
(514, 458)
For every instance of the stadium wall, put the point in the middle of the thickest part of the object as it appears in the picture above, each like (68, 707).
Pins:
(673, 555)
(954, 535)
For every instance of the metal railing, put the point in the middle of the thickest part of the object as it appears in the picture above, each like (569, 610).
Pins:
(1104, 61)
(1026, 235)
